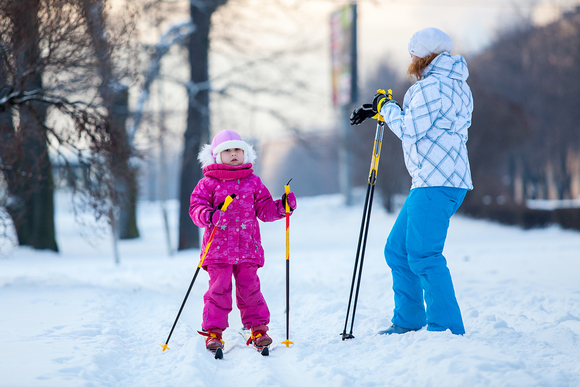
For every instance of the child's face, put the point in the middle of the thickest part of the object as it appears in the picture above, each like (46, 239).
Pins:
(233, 156)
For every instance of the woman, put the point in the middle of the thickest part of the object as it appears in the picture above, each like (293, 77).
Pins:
(432, 125)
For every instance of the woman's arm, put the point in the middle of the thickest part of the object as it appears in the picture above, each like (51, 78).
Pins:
(421, 108)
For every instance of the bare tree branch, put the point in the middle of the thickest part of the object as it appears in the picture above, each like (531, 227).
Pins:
(176, 34)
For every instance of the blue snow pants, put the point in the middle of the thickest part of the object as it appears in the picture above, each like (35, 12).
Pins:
(414, 252)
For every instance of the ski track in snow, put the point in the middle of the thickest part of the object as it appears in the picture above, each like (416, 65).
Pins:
(77, 319)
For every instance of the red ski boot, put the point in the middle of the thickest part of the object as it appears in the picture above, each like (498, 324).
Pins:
(214, 340)
(260, 339)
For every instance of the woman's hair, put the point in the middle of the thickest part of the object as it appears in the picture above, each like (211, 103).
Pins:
(418, 66)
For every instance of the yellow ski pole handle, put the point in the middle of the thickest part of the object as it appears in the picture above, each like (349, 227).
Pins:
(389, 94)
(287, 191)
(227, 202)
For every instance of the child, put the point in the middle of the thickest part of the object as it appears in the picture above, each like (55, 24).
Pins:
(236, 249)
(432, 125)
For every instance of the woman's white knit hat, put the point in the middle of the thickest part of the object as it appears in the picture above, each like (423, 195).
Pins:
(429, 41)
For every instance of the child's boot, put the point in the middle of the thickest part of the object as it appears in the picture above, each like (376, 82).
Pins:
(214, 339)
(260, 337)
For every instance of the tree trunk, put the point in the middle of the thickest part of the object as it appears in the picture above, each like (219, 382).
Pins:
(126, 178)
(30, 180)
(197, 132)
(115, 100)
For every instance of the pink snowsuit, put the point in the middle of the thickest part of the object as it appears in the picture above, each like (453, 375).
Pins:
(236, 248)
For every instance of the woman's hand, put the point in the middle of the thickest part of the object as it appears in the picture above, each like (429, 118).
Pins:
(361, 113)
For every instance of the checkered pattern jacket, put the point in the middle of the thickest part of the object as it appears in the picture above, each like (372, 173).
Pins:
(433, 124)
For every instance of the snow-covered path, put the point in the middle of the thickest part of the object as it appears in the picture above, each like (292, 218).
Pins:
(77, 319)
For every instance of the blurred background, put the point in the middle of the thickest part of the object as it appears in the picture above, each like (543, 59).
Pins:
(111, 100)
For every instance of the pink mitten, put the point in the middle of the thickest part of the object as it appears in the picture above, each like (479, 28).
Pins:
(291, 201)
(219, 217)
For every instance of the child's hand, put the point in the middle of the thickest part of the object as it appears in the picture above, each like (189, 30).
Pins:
(219, 217)
(291, 201)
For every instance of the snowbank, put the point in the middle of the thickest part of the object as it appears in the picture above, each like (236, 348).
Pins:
(77, 319)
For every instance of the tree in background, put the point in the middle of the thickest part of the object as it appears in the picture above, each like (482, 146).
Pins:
(197, 130)
(499, 130)
(49, 109)
(524, 141)
(113, 66)
(528, 90)
(252, 72)
(25, 160)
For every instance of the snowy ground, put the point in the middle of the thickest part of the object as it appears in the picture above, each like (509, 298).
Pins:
(77, 319)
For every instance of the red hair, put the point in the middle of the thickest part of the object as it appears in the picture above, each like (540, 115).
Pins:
(415, 68)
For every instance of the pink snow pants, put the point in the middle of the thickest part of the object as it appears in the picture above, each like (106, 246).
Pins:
(249, 299)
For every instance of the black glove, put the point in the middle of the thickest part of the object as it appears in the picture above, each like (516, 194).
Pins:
(380, 100)
(361, 113)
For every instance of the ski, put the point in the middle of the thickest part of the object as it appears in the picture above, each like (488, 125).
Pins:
(218, 353)
(264, 351)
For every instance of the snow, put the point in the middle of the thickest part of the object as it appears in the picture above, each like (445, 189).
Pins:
(541, 204)
(77, 319)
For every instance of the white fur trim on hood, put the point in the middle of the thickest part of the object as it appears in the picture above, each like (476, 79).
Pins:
(206, 157)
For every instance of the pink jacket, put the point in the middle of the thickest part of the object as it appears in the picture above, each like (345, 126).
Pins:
(238, 241)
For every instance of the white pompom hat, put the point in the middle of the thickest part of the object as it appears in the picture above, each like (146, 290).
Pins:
(429, 41)
(226, 139)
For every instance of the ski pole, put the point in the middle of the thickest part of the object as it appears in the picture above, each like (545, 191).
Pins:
(364, 228)
(287, 191)
(227, 202)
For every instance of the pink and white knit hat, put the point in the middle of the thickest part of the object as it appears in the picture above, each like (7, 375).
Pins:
(226, 139)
